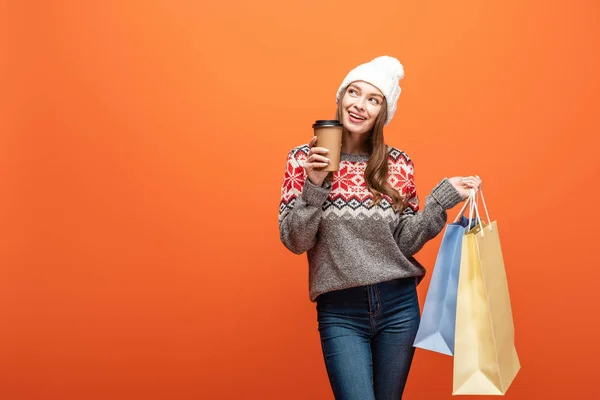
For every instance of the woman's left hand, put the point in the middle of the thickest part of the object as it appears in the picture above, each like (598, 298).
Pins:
(465, 184)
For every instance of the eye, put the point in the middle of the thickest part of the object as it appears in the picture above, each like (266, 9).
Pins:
(374, 100)
(351, 91)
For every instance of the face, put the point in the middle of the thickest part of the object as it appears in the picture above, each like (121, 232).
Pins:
(360, 107)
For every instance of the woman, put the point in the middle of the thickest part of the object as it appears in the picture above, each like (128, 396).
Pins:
(361, 228)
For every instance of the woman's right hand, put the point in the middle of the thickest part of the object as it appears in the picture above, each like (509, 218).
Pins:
(315, 162)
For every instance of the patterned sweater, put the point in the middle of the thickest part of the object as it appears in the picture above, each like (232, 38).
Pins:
(349, 241)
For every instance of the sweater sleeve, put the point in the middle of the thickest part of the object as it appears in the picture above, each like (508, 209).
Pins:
(416, 227)
(301, 205)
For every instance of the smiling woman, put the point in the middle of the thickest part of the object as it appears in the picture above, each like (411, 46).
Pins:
(361, 227)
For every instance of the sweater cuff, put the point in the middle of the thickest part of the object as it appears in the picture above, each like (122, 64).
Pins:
(315, 195)
(446, 194)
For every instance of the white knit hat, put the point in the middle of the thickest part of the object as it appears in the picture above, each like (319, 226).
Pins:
(382, 72)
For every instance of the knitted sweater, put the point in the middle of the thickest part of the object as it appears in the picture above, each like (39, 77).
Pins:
(349, 242)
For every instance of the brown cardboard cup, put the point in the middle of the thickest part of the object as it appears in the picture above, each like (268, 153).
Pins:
(329, 136)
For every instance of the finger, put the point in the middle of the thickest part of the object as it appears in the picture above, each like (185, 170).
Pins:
(475, 179)
(315, 165)
(312, 142)
(316, 157)
(471, 184)
(318, 150)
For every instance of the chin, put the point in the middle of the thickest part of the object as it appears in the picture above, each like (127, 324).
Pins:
(356, 128)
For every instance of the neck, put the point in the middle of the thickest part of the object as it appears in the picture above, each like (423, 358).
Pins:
(353, 143)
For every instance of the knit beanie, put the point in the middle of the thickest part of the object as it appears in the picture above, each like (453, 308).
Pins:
(382, 72)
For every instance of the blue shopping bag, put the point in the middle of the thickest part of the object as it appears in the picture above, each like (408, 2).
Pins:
(438, 320)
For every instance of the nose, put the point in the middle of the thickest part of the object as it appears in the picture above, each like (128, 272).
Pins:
(360, 103)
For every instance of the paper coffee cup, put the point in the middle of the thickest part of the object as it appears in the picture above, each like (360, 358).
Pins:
(329, 136)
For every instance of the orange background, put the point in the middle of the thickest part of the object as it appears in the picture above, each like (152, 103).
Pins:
(142, 151)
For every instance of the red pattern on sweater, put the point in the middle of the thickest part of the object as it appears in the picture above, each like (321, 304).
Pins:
(349, 187)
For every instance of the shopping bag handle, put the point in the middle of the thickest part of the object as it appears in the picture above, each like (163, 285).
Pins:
(485, 208)
(462, 210)
(473, 207)
(474, 196)
(472, 201)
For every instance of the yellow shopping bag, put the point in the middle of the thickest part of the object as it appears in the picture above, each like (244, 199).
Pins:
(485, 357)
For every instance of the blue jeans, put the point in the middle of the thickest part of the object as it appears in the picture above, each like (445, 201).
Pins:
(367, 335)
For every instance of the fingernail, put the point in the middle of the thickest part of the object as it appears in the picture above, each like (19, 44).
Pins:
(328, 161)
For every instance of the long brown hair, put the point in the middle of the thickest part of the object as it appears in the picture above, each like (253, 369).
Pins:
(376, 173)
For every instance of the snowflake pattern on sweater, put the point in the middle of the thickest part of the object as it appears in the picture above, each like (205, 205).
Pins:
(350, 196)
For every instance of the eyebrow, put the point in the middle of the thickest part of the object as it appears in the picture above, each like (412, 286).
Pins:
(370, 94)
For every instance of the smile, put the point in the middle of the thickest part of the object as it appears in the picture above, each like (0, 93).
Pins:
(356, 116)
